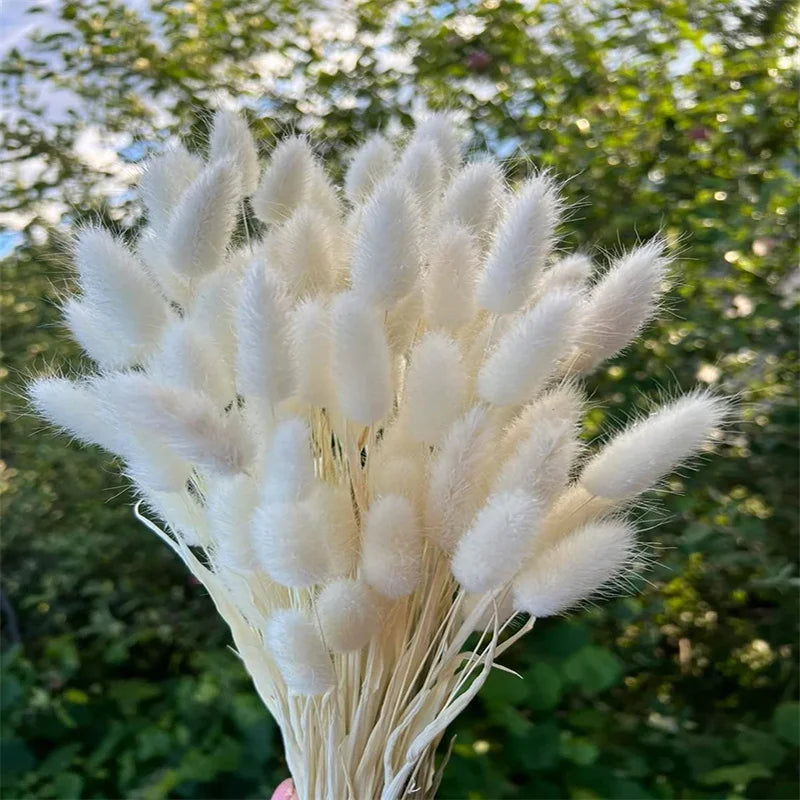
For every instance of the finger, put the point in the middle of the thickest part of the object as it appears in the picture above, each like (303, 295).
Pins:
(285, 791)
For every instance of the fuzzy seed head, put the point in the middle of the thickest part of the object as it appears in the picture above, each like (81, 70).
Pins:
(263, 369)
(441, 128)
(348, 614)
(119, 301)
(290, 467)
(489, 553)
(435, 387)
(231, 502)
(449, 283)
(370, 164)
(288, 545)
(361, 362)
(420, 169)
(386, 255)
(164, 180)
(230, 139)
(331, 510)
(296, 646)
(650, 449)
(475, 197)
(454, 482)
(310, 347)
(520, 246)
(574, 569)
(570, 272)
(620, 304)
(529, 351)
(285, 182)
(391, 556)
(77, 409)
(303, 251)
(200, 229)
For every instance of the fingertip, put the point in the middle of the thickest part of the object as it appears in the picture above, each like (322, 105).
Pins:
(285, 791)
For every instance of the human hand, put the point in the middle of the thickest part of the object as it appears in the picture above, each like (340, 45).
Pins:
(285, 791)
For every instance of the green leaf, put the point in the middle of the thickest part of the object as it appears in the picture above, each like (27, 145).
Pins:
(542, 745)
(786, 722)
(760, 747)
(738, 775)
(560, 638)
(502, 689)
(66, 786)
(578, 750)
(544, 687)
(15, 756)
(593, 669)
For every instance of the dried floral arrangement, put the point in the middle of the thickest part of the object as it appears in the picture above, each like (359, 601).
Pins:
(359, 427)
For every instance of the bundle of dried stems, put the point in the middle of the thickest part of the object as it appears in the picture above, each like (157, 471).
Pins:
(360, 430)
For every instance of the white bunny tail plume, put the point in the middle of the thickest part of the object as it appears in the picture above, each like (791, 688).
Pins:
(545, 451)
(650, 449)
(391, 557)
(95, 334)
(520, 247)
(164, 179)
(361, 362)
(77, 409)
(310, 338)
(620, 304)
(82, 411)
(386, 251)
(490, 552)
(230, 139)
(212, 307)
(529, 351)
(323, 195)
(151, 252)
(420, 168)
(474, 198)
(263, 370)
(571, 272)
(154, 467)
(442, 129)
(449, 286)
(455, 478)
(188, 422)
(285, 182)
(230, 503)
(201, 227)
(576, 568)
(290, 467)
(435, 387)
(304, 250)
(402, 322)
(299, 653)
(331, 511)
(370, 164)
(186, 358)
(288, 545)
(348, 614)
(119, 299)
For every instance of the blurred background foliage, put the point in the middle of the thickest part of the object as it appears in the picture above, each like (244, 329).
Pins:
(664, 114)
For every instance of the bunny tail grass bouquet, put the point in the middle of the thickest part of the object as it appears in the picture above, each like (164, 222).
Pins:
(356, 421)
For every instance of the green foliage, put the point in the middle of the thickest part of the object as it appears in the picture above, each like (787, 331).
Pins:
(677, 116)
